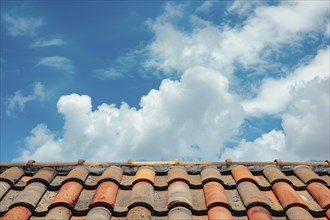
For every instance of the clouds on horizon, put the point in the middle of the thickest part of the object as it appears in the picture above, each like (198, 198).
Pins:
(194, 116)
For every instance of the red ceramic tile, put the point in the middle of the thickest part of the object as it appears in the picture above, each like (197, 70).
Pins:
(146, 174)
(17, 213)
(273, 174)
(68, 194)
(179, 213)
(57, 213)
(219, 213)
(215, 194)
(140, 213)
(12, 174)
(45, 175)
(4, 187)
(211, 173)
(106, 193)
(287, 195)
(77, 174)
(177, 173)
(307, 175)
(31, 194)
(242, 173)
(98, 213)
(179, 192)
(113, 172)
(297, 213)
(250, 194)
(320, 193)
(142, 192)
(259, 212)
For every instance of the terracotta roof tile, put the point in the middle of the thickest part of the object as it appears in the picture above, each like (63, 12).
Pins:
(242, 173)
(11, 175)
(146, 174)
(179, 193)
(307, 175)
(259, 212)
(165, 190)
(106, 193)
(219, 213)
(287, 195)
(211, 173)
(177, 173)
(31, 195)
(99, 213)
(17, 213)
(321, 194)
(68, 194)
(179, 213)
(215, 194)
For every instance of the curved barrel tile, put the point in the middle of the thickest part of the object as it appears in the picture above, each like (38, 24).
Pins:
(12, 174)
(215, 194)
(146, 174)
(4, 187)
(31, 195)
(180, 213)
(142, 192)
(298, 213)
(140, 213)
(18, 212)
(177, 173)
(219, 213)
(259, 212)
(273, 175)
(112, 173)
(106, 193)
(178, 194)
(99, 213)
(211, 173)
(242, 173)
(250, 194)
(320, 193)
(307, 175)
(59, 212)
(287, 195)
(44, 175)
(68, 194)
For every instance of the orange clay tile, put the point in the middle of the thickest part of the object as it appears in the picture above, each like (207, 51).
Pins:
(287, 195)
(68, 194)
(179, 213)
(298, 213)
(242, 173)
(142, 192)
(113, 172)
(307, 175)
(59, 212)
(259, 212)
(140, 213)
(273, 174)
(219, 213)
(320, 193)
(177, 173)
(44, 175)
(17, 213)
(31, 194)
(77, 174)
(211, 173)
(106, 193)
(179, 192)
(99, 213)
(146, 174)
(250, 194)
(4, 187)
(12, 175)
(215, 194)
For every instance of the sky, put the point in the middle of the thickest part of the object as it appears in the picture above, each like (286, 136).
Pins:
(157, 80)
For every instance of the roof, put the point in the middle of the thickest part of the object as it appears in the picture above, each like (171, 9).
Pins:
(165, 190)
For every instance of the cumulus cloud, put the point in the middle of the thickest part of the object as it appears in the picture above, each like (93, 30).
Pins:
(274, 95)
(48, 42)
(189, 118)
(18, 101)
(57, 62)
(19, 26)
(305, 134)
(222, 47)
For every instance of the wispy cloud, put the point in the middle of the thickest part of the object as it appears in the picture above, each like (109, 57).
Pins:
(108, 73)
(48, 42)
(18, 101)
(19, 26)
(57, 62)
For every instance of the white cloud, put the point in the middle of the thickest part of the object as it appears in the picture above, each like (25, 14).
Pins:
(206, 6)
(57, 62)
(108, 73)
(19, 26)
(305, 134)
(18, 101)
(197, 110)
(222, 47)
(48, 42)
(274, 94)
(244, 8)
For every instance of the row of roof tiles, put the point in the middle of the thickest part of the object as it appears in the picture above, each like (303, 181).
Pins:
(176, 195)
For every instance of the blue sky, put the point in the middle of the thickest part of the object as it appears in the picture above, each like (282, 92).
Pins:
(156, 80)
